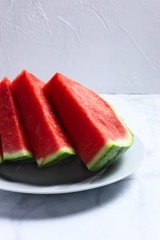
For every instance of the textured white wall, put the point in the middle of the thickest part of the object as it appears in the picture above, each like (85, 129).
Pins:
(109, 46)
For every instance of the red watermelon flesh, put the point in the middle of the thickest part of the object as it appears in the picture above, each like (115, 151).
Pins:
(97, 132)
(46, 137)
(13, 139)
(1, 157)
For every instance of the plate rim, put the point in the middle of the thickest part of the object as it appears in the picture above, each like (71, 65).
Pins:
(85, 187)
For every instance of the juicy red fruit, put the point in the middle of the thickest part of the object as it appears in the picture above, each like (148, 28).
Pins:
(89, 121)
(45, 135)
(13, 139)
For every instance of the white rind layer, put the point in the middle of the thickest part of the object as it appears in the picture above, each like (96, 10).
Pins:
(16, 155)
(53, 157)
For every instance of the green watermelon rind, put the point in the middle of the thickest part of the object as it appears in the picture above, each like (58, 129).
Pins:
(1, 159)
(21, 155)
(55, 158)
(110, 156)
(112, 151)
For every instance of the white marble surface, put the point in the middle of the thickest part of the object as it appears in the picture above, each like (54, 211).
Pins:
(129, 209)
(109, 46)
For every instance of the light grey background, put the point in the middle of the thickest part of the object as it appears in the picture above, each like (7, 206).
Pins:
(109, 46)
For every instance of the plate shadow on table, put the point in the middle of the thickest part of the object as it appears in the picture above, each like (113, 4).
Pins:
(19, 206)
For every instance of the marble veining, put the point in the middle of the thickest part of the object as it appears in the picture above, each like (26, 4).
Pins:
(129, 209)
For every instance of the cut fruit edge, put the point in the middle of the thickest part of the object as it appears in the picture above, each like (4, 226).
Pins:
(16, 156)
(1, 159)
(57, 157)
(112, 150)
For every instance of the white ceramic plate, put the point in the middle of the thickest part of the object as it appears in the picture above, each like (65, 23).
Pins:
(13, 177)
(72, 176)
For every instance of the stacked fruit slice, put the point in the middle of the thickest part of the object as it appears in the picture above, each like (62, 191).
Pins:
(98, 134)
(13, 141)
(45, 135)
(78, 119)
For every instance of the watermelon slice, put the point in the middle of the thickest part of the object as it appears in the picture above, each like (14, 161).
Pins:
(98, 134)
(13, 140)
(48, 142)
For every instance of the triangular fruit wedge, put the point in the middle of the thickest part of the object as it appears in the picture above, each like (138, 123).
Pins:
(96, 131)
(13, 139)
(46, 137)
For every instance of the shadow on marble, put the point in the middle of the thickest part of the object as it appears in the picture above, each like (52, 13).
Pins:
(26, 206)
